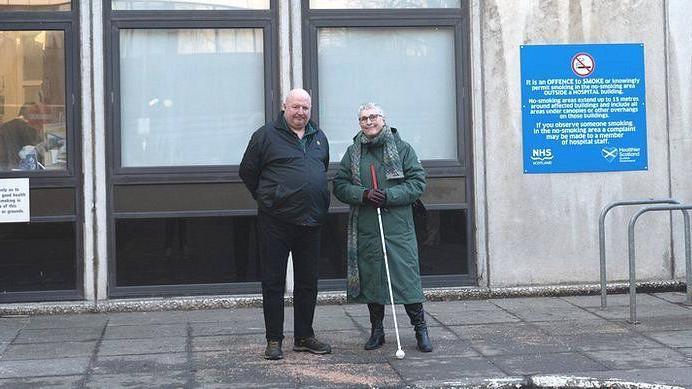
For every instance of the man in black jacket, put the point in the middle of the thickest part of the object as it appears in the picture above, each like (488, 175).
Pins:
(285, 169)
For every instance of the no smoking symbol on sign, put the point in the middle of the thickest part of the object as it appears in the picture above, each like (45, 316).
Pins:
(583, 64)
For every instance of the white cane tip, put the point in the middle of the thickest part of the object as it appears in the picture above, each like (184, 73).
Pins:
(400, 354)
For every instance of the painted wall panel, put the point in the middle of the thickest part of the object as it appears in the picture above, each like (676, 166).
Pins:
(680, 114)
(542, 228)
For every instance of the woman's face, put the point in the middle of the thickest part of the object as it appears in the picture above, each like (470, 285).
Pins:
(371, 122)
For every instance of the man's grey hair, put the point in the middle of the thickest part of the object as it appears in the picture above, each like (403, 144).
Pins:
(374, 106)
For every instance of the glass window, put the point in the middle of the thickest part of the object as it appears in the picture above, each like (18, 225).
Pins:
(176, 251)
(441, 237)
(409, 71)
(37, 257)
(35, 5)
(32, 101)
(350, 4)
(189, 4)
(189, 97)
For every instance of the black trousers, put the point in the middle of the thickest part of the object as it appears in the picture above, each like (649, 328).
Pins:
(276, 240)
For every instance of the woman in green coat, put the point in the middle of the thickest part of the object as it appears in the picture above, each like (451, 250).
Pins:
(401, 180)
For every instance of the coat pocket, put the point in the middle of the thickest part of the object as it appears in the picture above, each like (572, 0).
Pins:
(286, 196)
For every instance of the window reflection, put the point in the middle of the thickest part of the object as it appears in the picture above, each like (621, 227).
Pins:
(207, 250)
(37, 257)
(441, 237)
(428, 122)
(351, 4)
(32, 101)
(35, 5)
(176, 251)
(133, 5)
(189, 97)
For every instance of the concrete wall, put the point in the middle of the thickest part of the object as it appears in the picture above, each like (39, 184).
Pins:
(542, 228)
(679, 36)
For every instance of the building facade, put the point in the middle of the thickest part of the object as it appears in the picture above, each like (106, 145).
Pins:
(129, 119)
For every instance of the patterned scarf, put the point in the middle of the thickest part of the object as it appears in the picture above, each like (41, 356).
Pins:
(393, 170)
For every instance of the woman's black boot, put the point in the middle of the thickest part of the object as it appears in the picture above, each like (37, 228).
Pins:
(417, 316)
(377, 331)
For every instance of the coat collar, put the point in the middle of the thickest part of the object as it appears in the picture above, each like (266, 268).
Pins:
(280, 124)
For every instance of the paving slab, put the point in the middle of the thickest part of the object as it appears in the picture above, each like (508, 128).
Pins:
(640, 358)
(54, 382)
(347, 347)
(510, 339)
(478, 342)
(333, 310)
(148, 318)
(445, 341)
(582, 327)
(13, 321)
(673, 297)
(74, 334)
(142, 346)
(145, 331)
(221, 315)
(224, 367)
(388, 322)
(227, 328)
(545, 363)
(7, 335)
(459, 306)
(362, 310)
(67, 321)
(543, 309)
(168, 379)
(235, 344)
(341, 375)
(613, 300)
(333, 322)
(608, 341)
(425, 372)
(356, 309)
(43, 367)
(15, 352)
(485, 316)
(673, 338)
(10, 327)
(662, 323)
(143, 363)
(644, 312)
(239, 377)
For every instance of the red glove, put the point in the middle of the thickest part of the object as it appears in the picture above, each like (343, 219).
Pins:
(374, 197)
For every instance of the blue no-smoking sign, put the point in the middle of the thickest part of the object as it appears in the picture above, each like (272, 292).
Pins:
(583, 108)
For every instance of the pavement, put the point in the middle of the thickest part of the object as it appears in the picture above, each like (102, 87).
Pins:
(511, 342)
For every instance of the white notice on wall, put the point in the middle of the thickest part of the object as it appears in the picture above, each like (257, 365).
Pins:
(14, 200)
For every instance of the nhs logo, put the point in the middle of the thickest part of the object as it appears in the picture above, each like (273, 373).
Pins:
(541, 155)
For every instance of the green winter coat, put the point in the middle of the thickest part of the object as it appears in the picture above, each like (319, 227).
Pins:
(397, 220)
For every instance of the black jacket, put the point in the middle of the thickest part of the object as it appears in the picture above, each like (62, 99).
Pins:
(288, 182)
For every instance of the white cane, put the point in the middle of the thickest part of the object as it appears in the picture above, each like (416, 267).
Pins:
(399, 352)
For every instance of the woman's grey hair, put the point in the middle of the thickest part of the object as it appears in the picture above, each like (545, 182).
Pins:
(370, 106)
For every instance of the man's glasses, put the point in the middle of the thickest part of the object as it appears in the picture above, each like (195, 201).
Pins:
(364, 119)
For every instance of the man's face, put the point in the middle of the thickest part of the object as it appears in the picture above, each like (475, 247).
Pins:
(371, 122)
(297, 111)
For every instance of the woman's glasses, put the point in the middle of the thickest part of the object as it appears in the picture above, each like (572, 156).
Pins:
(372, 118)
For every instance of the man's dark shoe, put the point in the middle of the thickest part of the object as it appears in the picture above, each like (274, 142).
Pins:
(273, 350)
(311, 345)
